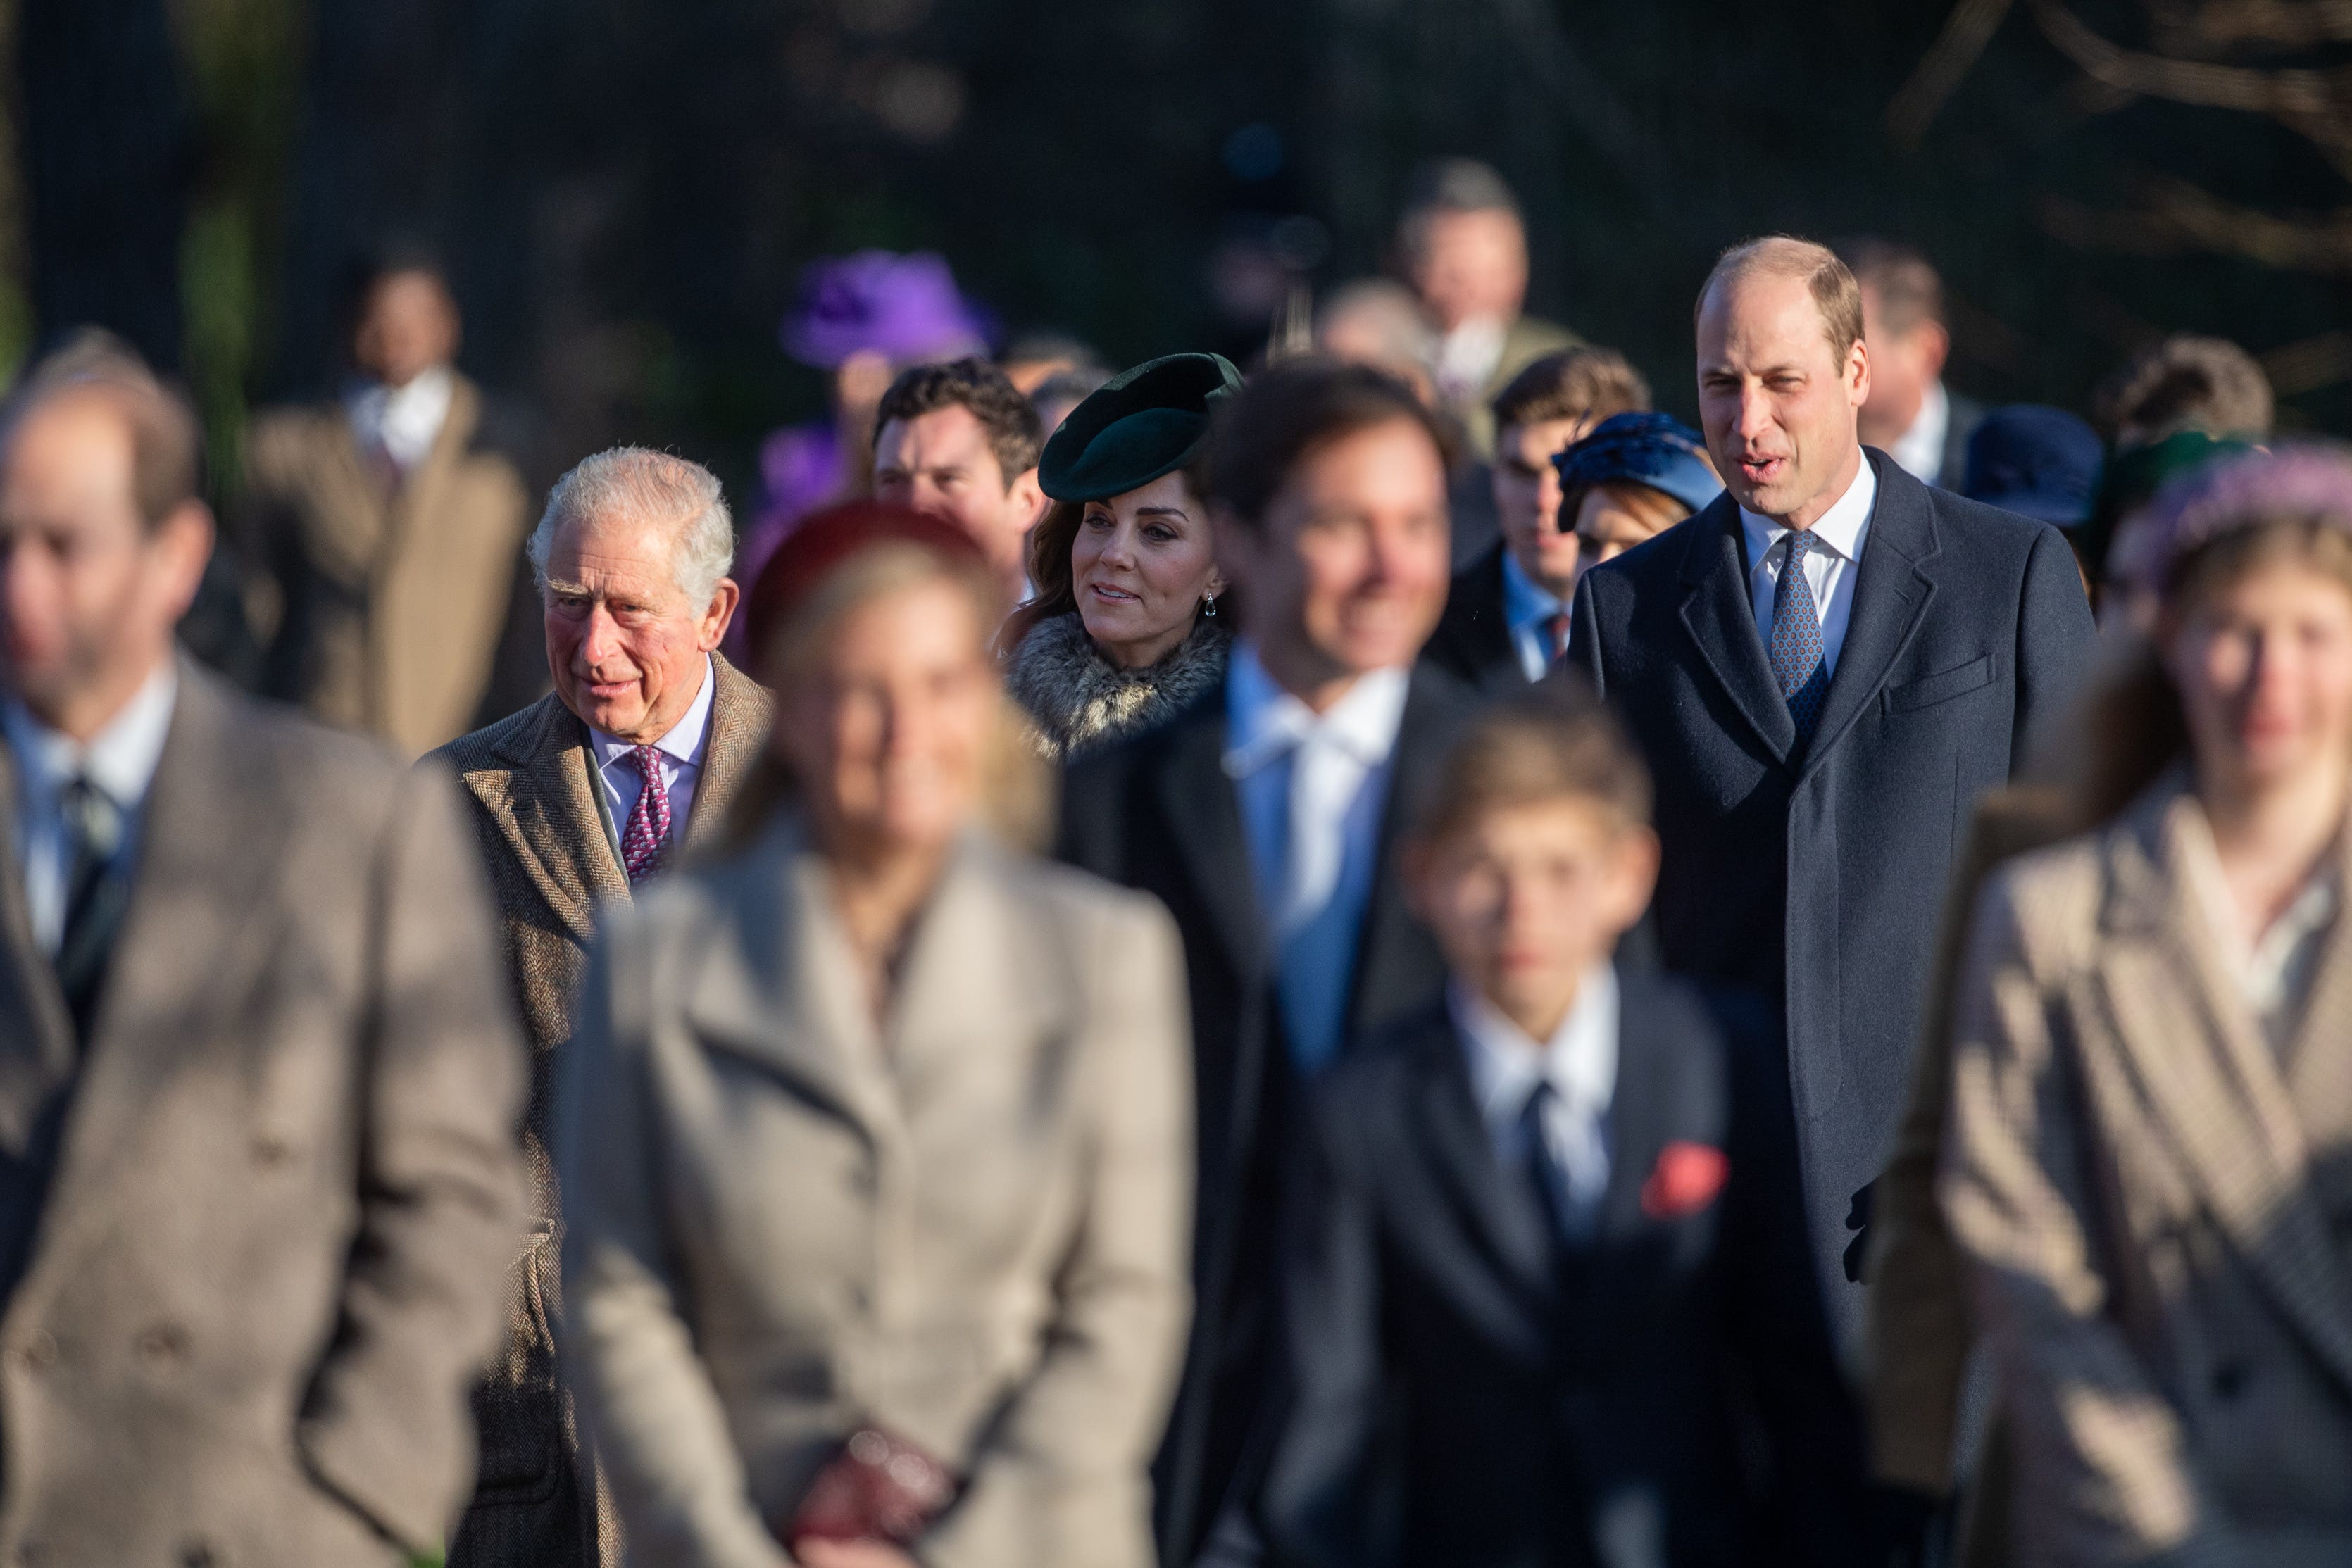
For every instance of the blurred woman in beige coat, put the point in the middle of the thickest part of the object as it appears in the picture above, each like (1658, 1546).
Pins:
(2149, 1166)
(876, 1139)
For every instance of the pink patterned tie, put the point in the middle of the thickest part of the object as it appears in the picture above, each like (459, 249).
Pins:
(647, 834)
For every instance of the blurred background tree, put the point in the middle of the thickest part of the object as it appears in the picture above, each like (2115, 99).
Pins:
(625, 191)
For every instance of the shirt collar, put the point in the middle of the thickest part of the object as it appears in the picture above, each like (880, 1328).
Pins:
(682, 744)
(1919, 451)
(1525, 602)
(1580, 1060)
(1842, 527)
(1263, 721)
(119, 760)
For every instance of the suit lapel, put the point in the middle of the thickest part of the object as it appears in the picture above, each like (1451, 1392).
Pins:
(551, 821)
(1393, 972)
(1500, 1211)
(1891, 595)
(1720, 617)
(1203, 816)
(36, 1047)
(2193, 1044)
(739, 715)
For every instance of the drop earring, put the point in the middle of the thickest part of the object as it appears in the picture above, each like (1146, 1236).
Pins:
(1209, 606)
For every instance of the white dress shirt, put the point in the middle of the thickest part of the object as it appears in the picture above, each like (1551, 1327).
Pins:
(1527, 610)
(2274, 970)
(1466, 356)
(1580, 1061)
(119, 761)
(1312, 788)
(680, 754)
(402, 423)
(1919, 451)
(1845, 528)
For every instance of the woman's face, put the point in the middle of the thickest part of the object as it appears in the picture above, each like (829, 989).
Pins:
(1141, 565)
(888, 732)
(2263, 665)
(1613, 519)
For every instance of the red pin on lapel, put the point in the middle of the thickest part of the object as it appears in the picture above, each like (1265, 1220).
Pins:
(1684, 1180)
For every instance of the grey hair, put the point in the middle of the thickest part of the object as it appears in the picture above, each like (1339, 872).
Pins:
(644, 486)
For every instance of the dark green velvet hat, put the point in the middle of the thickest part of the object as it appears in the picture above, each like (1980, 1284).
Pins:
(1143, 422)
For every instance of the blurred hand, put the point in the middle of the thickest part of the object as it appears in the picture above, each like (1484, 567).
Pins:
(1857, 1220)
(854, 1554)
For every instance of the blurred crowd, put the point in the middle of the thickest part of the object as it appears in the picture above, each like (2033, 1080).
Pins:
(1384, 957)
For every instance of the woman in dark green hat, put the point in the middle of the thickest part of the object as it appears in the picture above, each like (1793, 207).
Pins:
(1123, 629)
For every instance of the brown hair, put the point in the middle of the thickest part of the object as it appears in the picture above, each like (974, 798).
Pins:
(1556, 742)
(1015, 435)
(2186, 382)
(2129, 726)
(1835, 293)
(1261, 432)
(1908, 289)
(1050, 572)
(1017, 794)
(166, 448)
(1574, 383)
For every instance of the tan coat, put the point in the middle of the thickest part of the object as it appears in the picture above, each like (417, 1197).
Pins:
(531, 783)
(2144, 1194)
(270, 1264)
(1919, 1334)
(387, 603)
(970, 1227)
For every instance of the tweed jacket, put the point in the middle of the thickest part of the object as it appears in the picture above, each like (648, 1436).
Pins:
(528, 779)
(390, 598)
(2154, 1205)
(285, 1193)
(969, 1227)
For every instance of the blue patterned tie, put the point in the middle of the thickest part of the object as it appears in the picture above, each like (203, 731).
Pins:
(1796, 652)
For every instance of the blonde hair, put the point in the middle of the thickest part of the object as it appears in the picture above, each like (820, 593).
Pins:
(1017, 793)
(1835, 293)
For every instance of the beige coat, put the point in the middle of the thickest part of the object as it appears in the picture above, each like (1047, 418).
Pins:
(530, 782)
(2144, 1193)
(970, 1227)
(270, 1263)
(385, 604)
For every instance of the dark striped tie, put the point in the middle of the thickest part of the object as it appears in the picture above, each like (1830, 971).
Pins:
(98, 891)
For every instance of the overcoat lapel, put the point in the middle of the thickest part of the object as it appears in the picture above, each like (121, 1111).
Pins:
(36, 1047)
(1721, 620)
(1392, 969)
(2193, 1044)
(1891, 596)
(551, 822)
(1204, 815)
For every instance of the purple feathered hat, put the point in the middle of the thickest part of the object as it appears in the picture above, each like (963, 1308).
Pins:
(2305, 480)
(904, 307)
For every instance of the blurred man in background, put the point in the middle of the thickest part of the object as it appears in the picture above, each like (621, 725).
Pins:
(1463, 245)
(635, 755)
(1506, 619)
(385, 528)
(958, 441)
(1911, 416)
(258, 1080)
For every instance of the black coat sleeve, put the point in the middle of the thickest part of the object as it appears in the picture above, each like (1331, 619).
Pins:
(2054, 637)
(1584, 636)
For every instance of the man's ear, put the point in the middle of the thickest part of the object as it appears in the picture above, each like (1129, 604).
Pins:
(723, 600)
(1634, 876)
(1935, 347)
(1028, 494)
(184, 540)
(1235, 545)
(1857, 373)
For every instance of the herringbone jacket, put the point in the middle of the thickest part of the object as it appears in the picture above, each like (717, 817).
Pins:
(2154, 1202)
(529, 780)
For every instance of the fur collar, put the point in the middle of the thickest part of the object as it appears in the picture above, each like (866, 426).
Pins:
(1080, 701)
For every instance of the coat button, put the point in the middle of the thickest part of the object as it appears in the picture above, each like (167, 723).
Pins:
(195, 1554)
(163, 1341)
(269, 1150)
(32, 1553)
(2230, 1379)
(37, 1353)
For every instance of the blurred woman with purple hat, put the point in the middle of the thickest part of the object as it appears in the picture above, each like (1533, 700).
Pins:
(2149, 1169)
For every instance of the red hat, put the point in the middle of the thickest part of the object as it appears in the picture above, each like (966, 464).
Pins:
(828, 539)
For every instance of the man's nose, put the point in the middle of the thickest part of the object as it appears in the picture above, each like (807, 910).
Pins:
(602, 640)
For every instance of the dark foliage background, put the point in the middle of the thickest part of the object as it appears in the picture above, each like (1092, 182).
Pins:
(626, 189)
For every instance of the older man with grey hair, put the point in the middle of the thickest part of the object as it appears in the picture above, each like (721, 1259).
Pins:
(637, 752)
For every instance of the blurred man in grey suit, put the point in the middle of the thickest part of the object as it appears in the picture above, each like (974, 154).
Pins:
(258, 1083)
